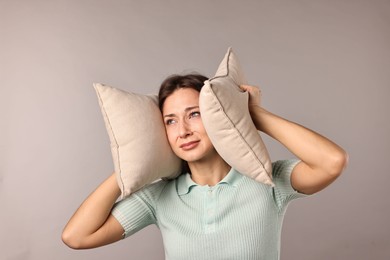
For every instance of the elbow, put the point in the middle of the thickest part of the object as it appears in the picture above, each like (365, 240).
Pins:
(71, 240)
(338, 163)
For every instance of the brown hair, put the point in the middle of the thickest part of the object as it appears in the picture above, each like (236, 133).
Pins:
(175, 82)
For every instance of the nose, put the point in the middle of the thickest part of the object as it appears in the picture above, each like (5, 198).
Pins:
(184, 129)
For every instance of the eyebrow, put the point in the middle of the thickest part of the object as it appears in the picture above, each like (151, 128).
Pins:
(186, 110)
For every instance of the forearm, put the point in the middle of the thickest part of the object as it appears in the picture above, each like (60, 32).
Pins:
(315, 150)
(92, 213)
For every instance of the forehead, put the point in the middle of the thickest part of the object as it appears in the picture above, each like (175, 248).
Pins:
(179, 100)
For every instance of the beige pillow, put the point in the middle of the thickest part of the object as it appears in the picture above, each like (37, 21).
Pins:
(225, 114)
(139, 145)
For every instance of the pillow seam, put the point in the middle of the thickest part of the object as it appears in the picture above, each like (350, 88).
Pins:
(228, 68)
(238, 133)
(116, 143)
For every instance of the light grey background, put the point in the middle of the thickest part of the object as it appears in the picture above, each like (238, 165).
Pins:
(324, 64)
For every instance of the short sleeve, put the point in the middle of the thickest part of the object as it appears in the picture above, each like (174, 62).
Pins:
(138, 210)
(283, 190)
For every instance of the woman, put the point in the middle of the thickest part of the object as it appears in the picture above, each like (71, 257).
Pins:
(210, 211)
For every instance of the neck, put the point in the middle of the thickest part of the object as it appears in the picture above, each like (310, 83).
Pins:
(209, 172)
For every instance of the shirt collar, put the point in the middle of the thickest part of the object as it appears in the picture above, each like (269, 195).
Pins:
(185, 183)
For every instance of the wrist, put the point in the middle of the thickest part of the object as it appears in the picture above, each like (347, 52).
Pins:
(257, 114)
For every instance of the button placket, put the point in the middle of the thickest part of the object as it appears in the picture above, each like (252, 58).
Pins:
(210, 211)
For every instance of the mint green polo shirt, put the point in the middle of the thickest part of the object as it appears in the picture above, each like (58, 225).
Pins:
(238, 218)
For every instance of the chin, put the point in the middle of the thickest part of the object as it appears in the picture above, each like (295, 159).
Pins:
(191, 159)
(196, 156)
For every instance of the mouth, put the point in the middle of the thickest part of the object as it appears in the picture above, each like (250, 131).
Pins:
(189, 145)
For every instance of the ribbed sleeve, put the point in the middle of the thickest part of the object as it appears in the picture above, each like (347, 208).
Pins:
(284, 192)
(137, 211)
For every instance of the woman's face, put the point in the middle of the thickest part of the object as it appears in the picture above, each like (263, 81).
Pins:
(184, 126)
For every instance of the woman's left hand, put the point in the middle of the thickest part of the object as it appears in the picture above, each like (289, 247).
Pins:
(254, 95)
(322, 161)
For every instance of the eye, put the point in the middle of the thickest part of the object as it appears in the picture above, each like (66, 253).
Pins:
(194, 114)
(170, 121)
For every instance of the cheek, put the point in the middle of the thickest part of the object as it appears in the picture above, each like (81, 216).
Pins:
(170, 135)
(199, 126)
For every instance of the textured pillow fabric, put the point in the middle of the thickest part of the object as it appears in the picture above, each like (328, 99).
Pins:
(139, 145)
(225, 115)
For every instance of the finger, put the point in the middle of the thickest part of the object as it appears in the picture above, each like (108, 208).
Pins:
(243, 87)
(249, 87)
(246, 87)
